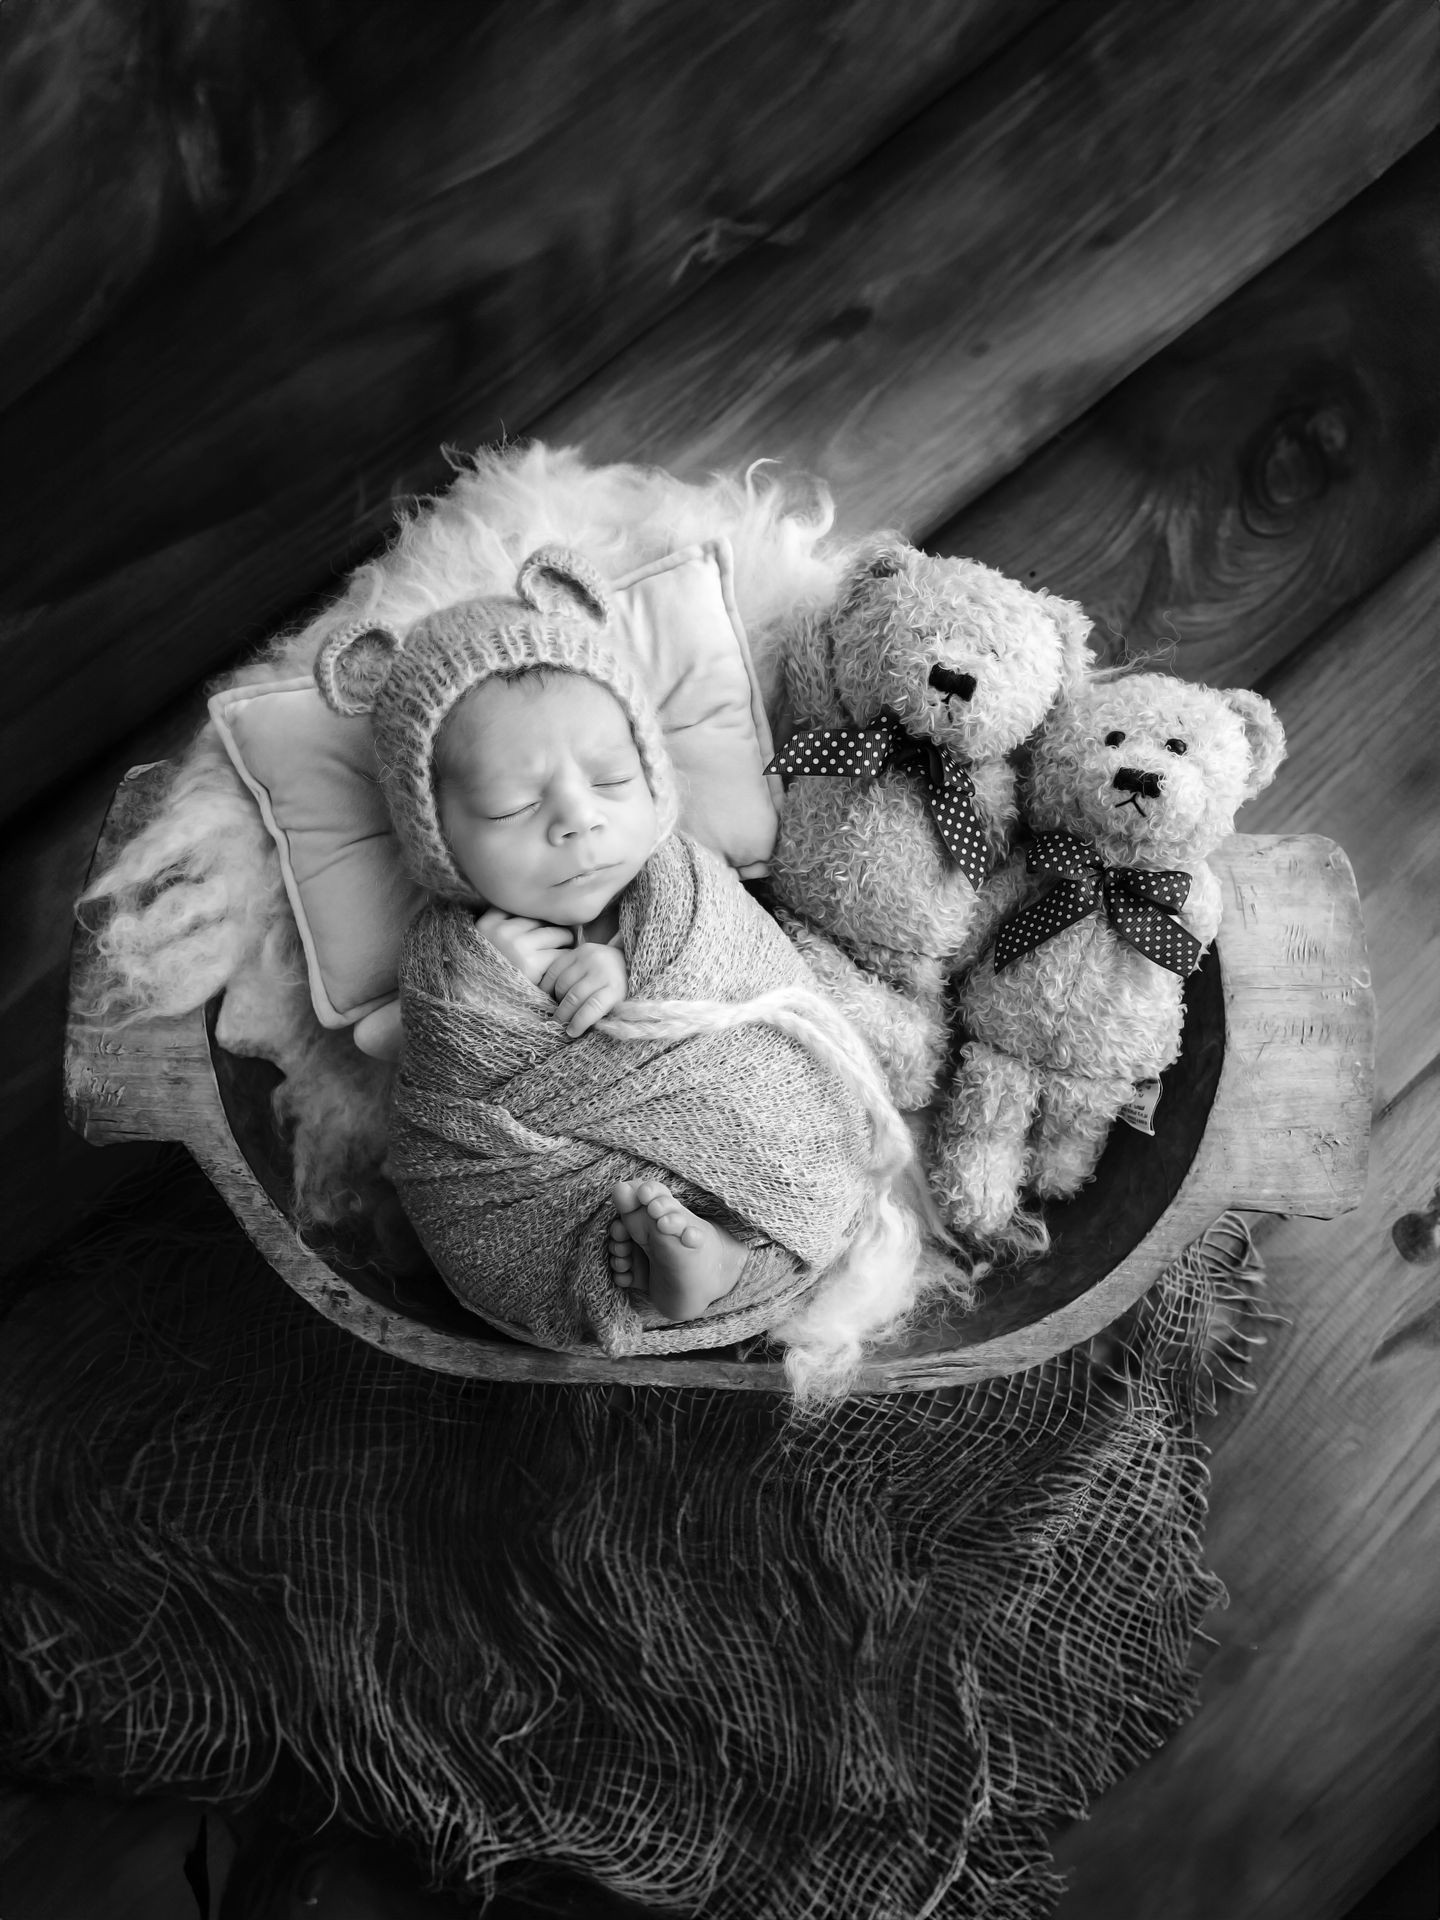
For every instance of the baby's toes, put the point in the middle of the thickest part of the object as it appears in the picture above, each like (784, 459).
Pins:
(619, 1249)
(675, 1223)
(624, 1197)
(654, 1197)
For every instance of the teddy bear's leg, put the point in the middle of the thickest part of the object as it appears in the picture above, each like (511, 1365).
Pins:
(906, 1032)
(979, 1155)
(1077, 1112)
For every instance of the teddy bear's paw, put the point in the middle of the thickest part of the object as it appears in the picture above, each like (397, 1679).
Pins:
(1062, 1181)
(977, 1185)
(1024, 1236)
(979, 1160)
(1076, 1115)
(912, 1084)
(910, 1047)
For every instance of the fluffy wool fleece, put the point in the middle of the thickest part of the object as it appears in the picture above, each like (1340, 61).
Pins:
(194, 905)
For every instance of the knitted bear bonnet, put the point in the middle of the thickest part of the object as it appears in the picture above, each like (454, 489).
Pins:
(556, 621)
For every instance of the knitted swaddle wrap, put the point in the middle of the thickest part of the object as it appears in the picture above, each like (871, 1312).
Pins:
(507, 1136)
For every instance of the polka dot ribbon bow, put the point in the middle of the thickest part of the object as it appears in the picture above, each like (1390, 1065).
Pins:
(1139, 904)
(866, 752)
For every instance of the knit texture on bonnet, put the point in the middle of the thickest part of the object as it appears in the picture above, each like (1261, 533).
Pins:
(409, 689)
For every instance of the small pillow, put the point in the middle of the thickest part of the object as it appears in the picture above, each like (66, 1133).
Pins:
(314, 776)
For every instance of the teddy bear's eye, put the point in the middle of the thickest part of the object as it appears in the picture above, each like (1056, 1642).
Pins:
(1114, 739)
(1175, 746)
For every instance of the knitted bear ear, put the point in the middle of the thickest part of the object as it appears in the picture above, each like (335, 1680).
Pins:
(353, 665)
(559, 580)
(1264, 733)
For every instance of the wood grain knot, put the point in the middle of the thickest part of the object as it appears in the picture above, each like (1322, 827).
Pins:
(1292, 464)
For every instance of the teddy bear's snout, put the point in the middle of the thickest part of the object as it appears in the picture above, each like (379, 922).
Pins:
(953, 685)
(1146, 785)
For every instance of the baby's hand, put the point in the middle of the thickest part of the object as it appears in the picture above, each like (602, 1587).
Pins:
(530, 945)
(586, 982)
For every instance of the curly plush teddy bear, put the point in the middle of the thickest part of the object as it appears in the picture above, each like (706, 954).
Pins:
(907, 696)
(1134, 779)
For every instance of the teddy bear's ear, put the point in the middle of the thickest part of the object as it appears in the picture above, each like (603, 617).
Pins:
(559, 580)
(1264, 733)
(354, 664)
(878, 558)
(1073, 625)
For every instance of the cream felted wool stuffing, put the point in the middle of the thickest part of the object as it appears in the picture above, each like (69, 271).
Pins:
(1134, 779)
(968, 662)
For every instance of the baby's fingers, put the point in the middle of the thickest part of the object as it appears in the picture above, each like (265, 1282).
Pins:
(584, 1005)
(565, 971)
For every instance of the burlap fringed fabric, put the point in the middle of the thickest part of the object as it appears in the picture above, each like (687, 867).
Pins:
(724, 1662)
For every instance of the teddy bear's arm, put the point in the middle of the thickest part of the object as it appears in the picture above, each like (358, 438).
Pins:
(1008, 889)
(995, 801)
(906, 1034)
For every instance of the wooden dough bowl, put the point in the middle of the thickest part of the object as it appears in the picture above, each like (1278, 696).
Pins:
(1267, 1109)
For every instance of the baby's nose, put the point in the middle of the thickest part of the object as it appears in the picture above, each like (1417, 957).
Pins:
(1131, 780)
(570, 825)
(575, 813)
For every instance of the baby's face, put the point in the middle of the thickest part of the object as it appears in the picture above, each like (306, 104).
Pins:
(542, 797)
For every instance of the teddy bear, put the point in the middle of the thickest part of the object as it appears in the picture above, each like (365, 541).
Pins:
(905, 699)
(1134, 778)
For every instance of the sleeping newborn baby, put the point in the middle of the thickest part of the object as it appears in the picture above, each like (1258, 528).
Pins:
(623, 1116)
(544, 802)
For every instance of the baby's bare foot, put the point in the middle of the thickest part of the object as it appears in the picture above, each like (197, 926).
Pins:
(661, 1249)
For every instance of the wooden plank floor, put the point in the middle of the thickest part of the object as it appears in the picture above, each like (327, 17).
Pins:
(1311, 1764)
(1263, 472)
(1263, 495)
(237, 441)
(445, 268)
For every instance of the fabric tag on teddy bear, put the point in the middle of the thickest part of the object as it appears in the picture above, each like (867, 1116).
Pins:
(1139, 1110)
